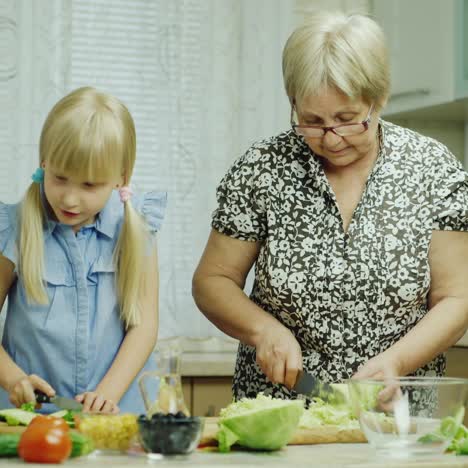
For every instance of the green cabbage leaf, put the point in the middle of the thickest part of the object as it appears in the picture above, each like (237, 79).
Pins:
(261, 423)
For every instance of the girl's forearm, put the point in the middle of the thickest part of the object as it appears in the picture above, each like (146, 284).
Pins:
(134, 351)
(10, 373)
(441, 328)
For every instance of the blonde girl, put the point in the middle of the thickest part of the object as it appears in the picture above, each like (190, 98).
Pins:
(79, 263)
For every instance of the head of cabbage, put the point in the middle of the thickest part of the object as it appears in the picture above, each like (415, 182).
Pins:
(261, 423)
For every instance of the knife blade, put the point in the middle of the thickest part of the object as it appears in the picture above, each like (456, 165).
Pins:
(60, 402)
(312, 387)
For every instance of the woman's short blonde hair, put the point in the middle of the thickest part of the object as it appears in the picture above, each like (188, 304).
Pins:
(346, 52)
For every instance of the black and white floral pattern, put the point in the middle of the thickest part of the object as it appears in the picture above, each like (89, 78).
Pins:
(347, 296)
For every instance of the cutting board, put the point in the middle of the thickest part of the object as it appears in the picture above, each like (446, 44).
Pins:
(6, 429)
(317, 435)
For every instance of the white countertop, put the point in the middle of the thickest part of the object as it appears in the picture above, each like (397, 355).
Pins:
(317, 456)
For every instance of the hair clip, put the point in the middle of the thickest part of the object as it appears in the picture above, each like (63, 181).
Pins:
(38, 175)
(125, 193)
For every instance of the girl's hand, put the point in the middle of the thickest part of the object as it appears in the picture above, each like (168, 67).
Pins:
(279, 355)
(23, 390)
(96, 403)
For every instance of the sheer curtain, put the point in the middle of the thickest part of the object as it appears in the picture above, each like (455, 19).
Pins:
(202, 79)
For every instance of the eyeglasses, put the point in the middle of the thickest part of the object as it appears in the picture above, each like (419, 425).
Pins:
(347, 129)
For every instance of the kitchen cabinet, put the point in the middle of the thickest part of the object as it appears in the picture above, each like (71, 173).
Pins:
(207, 395)
(428, 46)
(457, 366)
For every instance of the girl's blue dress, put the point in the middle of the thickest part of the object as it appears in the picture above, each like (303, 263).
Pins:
(72, 341)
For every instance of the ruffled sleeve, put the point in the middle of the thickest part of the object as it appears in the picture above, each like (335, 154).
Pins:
(8, 231)
(451, 199)
(153, 207)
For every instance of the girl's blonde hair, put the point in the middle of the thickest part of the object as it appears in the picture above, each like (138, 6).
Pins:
(346, 52)
(92, 135)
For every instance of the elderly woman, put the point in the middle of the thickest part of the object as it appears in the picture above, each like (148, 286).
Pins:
(357, 228)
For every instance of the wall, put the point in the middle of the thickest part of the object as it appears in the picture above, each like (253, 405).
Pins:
(450, 133)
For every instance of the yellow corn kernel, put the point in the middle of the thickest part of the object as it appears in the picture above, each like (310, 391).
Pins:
(114, 432)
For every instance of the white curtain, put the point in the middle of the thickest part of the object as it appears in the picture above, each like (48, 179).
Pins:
(202, 79)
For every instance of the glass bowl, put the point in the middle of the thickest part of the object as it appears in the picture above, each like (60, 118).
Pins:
(170, 434)
(406, 416)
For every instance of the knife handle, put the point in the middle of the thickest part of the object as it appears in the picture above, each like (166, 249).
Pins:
(41, 397)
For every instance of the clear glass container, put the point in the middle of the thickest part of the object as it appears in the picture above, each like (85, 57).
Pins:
(409, 416)
(162, 389)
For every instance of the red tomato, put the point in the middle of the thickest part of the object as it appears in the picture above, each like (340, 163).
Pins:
(50, 421)
(45, 440)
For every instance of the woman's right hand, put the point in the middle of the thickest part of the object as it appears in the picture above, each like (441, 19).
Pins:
(279, 355)
(23, 390)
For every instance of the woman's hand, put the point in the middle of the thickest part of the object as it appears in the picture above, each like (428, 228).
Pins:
(383, 366)
(23, 390)
(94, 402)
(279, 355)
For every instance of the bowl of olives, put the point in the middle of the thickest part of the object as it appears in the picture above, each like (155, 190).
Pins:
(169, 434)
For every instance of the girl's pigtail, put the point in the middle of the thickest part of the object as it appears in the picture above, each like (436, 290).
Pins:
(31, 245)
(131, 267)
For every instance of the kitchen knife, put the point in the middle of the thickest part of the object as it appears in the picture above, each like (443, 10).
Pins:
(310, 386)
(60, 402)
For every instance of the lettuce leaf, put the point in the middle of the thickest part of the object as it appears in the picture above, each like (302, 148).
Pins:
(321, 413)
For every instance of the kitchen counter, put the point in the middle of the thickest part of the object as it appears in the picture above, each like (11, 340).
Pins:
(329, 456)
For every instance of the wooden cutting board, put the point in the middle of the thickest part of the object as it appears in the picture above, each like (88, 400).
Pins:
(6, 429)
(317, 435)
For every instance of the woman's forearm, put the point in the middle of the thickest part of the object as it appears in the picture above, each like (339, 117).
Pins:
(134, 351)
(225, 304)
(441, 328)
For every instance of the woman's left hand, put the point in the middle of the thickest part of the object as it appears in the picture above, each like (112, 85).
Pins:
(93, 402)
(382, 366)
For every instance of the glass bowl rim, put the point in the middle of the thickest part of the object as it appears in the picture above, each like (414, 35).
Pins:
(187, 420)
(422, 381)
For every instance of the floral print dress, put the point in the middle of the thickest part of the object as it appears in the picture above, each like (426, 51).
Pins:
(346, 296)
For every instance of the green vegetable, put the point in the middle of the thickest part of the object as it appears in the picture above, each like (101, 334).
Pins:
(452, 429)
(462, 447)
(261, 423)
(68, 415)
(9, 444)
(31, 406)
(81, 444)
(321, 413)
(16, 417)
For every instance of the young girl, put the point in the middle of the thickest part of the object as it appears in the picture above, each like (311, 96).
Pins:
(79, 264)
